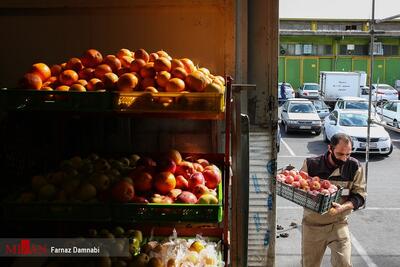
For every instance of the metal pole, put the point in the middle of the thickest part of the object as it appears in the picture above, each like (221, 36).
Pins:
(370, 91)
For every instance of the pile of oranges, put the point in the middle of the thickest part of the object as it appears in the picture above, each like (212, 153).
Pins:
(126, 71)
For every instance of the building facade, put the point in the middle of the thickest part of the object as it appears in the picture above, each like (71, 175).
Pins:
(309, 46)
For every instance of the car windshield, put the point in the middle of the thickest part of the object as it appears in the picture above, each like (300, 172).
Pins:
(320, 105)
(353, 120)
(311, 87)
(357, 105)
(301, 108)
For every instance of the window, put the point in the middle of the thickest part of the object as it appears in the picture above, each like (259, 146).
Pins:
(359, 50)
(390, 50)
(351, 27)
(340, 104)
(305, 49)
(393, 107)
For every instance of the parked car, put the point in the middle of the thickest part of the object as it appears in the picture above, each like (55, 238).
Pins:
(349, 102)
(309, 90)
(289, 91)
(380, 93)
(390, 113)
(300, 114)
(354, 123)
(321, 107)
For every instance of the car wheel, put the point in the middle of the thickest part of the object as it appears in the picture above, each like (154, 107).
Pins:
(325, 137)
(317, 132)
(286, 128)
(395, 124)
(390, 150)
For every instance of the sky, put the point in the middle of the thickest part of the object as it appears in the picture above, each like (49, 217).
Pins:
(337, 9)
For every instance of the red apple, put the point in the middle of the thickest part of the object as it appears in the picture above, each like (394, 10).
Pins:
(195, 179)
(157, 198)
(198, 167)
(166, 165)
(296, 184)
(181, 182)
(185, 168)
(200, 190)
(146, 162)
(293, 173)
(315, 185)
(174, 193)
(325, 184)
(203, 162)
(175, 156)
(142, 181)
(186, 197)
(285, 172)
(213, 177)
(289, 179)
(138, 199)
(303, 183)
(303, 174)
(123, 191)
(164, 182)
(297, 177)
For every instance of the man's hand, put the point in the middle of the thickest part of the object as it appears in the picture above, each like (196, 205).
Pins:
(338, 208)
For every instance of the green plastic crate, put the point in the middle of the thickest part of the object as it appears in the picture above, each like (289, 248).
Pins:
(318, 203)
(176, 212)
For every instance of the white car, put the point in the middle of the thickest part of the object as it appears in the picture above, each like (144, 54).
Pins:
(390, 113)
(380, 92)
(309, 90)
(289, 91)
(354, 123)
(349, 102)
(299, 114)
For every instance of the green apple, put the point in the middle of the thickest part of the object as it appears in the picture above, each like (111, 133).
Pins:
(207, 199)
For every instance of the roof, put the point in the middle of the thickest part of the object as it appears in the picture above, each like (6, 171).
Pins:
(352, 98)
(299, 100)
(337, 10)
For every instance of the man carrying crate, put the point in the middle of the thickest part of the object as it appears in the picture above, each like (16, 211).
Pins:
(331, 229)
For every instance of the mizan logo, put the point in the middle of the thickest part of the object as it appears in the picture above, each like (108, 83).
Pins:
(25, 247)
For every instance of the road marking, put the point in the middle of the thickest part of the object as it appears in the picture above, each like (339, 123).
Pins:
(306, 156)
(368, 208)
(288, 148)
(361, 251)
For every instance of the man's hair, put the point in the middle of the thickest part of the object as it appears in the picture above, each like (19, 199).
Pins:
(336, 138)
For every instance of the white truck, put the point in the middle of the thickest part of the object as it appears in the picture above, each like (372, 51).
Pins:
(335, 84)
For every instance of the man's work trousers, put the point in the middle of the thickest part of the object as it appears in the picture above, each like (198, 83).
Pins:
(315, 239)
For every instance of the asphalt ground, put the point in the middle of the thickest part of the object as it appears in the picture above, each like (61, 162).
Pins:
(375, 229)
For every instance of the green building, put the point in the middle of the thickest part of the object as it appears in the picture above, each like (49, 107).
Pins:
(312, 44)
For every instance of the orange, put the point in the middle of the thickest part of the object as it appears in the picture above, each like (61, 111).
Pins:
(68, 77)
(91, 58)
(74, 64)
(31, 81)
(162, 63)
(127, 82)
(42, 70)
(142, 54)
(113, 62)
(175, 85)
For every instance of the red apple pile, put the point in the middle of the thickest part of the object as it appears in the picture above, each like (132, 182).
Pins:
(314, 185)
(171, 179)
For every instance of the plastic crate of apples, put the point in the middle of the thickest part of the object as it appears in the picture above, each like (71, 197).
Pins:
(311, 192)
